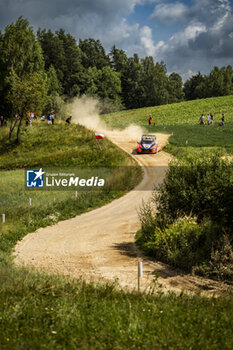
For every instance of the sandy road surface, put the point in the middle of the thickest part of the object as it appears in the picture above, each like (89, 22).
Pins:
(100, 244)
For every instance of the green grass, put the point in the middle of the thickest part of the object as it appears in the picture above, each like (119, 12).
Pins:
(182, 119)
(38, 311)
(51, 312)
(60, 147)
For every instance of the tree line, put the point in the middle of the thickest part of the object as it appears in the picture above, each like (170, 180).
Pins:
(218, 83)
(41, 71)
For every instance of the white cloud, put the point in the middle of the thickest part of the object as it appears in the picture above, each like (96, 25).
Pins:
(121, 34)
(191, 32)
(205, 40)
(206, 37)
(147, 41)
(188, 74)
(170, 13)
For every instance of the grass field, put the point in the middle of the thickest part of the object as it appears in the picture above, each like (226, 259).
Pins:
(38, 311)
(59, 147)
(51, 312)
(182, 120)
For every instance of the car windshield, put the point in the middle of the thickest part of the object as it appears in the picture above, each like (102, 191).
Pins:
(147, 142)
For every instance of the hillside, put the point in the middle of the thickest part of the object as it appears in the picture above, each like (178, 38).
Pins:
(57, 147)
(54, 312)
(181, 120)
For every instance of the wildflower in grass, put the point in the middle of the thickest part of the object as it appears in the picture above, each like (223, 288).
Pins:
(54, 332)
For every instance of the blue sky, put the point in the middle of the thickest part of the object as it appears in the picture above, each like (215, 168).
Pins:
(142, 14)
(188, 35)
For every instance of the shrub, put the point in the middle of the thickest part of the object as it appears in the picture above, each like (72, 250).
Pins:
(203, 188)
(193, 226)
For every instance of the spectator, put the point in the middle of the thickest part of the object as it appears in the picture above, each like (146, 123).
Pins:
(211, 118)
(150, 120)
(202, 120)
(223, 120)
(68, 120)
(49, 117)
(53, 118)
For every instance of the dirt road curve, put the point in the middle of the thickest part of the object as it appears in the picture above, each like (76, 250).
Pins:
(100, 244)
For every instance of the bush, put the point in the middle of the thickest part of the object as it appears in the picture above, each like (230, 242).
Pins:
(193, 226)
(203, 188)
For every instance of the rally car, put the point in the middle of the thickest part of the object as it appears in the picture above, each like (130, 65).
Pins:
(148, 144)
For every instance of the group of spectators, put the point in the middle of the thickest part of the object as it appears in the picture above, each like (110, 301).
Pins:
(210, 119)
(50, 117)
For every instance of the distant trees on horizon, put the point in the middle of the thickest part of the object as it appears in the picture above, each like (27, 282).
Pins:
(60, 69)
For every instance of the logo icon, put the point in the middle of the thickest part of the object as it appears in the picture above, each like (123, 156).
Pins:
(35, 178)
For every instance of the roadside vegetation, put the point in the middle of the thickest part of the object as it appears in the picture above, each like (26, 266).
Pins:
(53, 312)
(38, 74)
(59, 147)
(189, 222)
(38, 311)
(192, 228)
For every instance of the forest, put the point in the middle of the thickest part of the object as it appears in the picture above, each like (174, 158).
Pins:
(41, 71)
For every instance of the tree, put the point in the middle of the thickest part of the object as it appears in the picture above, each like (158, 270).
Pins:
(220, 81)
(191, 85)
(53, 52)
(53, 83)
(73, 66)
(27, 93)
(175, 88)
(62, 52)
(132, 83)
(54, 101)
(93, 54)
(20, 54)
(118, 59)
(105, 84)
(21, 57)
(155, 83)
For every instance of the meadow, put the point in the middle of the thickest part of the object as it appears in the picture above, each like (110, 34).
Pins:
(58, 147)
(182, 122)
(40, 311)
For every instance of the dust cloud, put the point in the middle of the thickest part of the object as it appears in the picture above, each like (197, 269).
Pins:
(85, 111)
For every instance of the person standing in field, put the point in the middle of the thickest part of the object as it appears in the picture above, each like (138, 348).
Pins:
(150, 120)
(202, 119)
(223, 120)
(211, 118)
(53, 118)
(49, 118)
